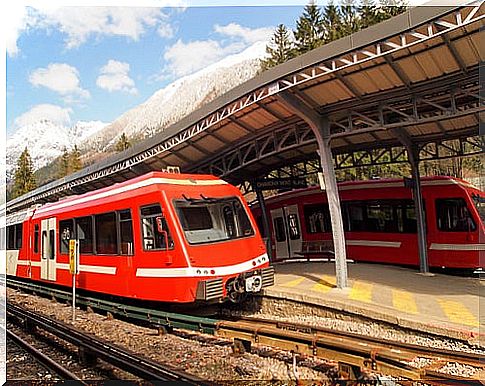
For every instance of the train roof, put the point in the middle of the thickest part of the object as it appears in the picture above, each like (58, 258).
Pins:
(149, 179)
(378, 183)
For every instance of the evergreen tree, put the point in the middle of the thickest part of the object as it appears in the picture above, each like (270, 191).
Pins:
(123, 143)
(280, 49)
(349, 18)
(75, 160)
(310, 29)
(332, 23)
(368, 13)
(24, 180)
(64, 167)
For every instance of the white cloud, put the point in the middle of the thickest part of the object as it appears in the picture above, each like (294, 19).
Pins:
(53, 113)
(186, 58)
(248, 35)
(165, 30)
(78, 24)
(114, 77)
(61, 78)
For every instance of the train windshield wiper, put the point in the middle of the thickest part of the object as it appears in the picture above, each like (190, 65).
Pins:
(203, 199)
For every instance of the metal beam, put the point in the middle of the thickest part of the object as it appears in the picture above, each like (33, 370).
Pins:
(321, 128)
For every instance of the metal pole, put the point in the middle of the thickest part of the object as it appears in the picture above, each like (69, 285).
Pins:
(321, 128)
(73, 297)
(264, 216)
(334, 207)
(420, 214)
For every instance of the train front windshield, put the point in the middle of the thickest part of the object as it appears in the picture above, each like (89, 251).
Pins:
(208, 220)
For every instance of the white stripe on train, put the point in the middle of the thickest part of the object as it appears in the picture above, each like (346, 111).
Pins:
(167, 272)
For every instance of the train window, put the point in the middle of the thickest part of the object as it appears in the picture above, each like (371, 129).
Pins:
(52, 247)
(195, 218)
(126, 232)
(229, 221)
(66, 233)
(356, 214)
(106, 234)
(14, 236)
(209, 219)
(155, 232)
(293, 227)
(479, 202)
(279, 228)
(317, 218)
(84, 233)
(10, 237)
(452, 215)
(36, 238)
(246, 229)
(380, 218)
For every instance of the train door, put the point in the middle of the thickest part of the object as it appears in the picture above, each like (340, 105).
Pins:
(287, 231)
(48, 248)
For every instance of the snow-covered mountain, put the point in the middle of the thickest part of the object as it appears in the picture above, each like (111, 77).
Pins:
(46, 140)
(180, 98)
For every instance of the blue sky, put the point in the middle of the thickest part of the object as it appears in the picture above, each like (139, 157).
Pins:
(94, 63)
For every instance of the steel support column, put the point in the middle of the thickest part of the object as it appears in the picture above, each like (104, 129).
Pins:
(320, 126)
(264, 217)
(413, 157)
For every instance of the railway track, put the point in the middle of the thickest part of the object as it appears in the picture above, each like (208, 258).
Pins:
(91, 347)
(46, 361)
(354, 353)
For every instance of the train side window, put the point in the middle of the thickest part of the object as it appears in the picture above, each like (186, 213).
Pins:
(84, 233)
(36, 238)
(293, 226)
(66, 233)
(52, 247)
(44, 245)
(279, 227)
(126, 232)
(14, 236)
(106, 234)
(155, 230)
(356, 215)
(452, 215)
(380, 218)
(317, 218)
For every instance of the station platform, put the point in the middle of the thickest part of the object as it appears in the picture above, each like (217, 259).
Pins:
(440, 304)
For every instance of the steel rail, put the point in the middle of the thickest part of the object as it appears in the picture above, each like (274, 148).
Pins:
(152, 316)
(362, 351)
(49, 363)
(473, 359)
(387, 357)
(117, 356)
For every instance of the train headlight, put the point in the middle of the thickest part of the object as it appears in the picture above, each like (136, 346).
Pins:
(254, 283)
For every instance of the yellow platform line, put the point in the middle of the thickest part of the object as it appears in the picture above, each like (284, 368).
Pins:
(295, 282)
(361, 291)
(404, 301)
(458, 313)
(325, 284)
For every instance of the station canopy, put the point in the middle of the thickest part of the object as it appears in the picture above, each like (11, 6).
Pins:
(415, 76)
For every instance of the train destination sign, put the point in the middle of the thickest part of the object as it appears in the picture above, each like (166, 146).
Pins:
(280, 183)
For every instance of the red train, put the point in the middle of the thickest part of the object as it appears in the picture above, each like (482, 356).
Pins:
(161, 237)
(380, 223)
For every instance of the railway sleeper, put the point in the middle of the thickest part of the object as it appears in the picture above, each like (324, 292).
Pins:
(86, 356)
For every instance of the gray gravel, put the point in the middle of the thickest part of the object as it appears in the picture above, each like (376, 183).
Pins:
(209, 361)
